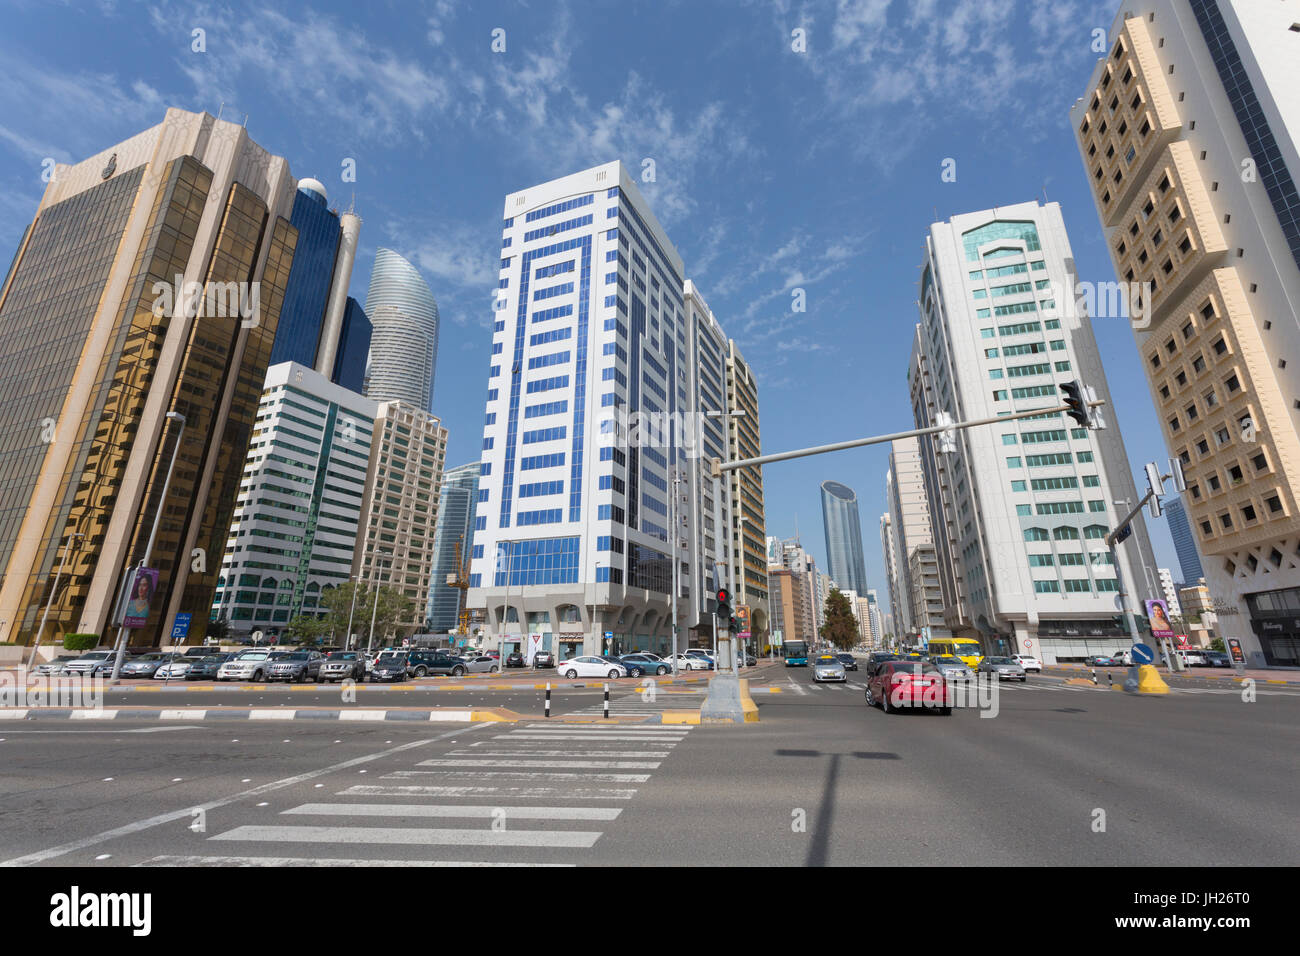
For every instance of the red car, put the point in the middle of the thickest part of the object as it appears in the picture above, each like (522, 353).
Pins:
(899, 684)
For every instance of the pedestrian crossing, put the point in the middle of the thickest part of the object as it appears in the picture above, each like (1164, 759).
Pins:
(537, 794)
(645, 701)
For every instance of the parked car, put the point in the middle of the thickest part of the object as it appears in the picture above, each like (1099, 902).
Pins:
(201, 651)
(1101, 660)
(952, 668)
(1028, 663)
(1194, 658)
(481, 664)
(89, 665)
(848, 660)
(146, 664)
(299, 666)
(591, 667)
(342, 665)
(752, 661)
(246, 665)
(205, 668)
(690, 662)
(515, 660)
(175, 669)
(904, 683)
(390, 667)
(429, 663)
(1121, 658)
(543, 659)
(827, 667)
(1004, 667)
(54, 667)
(1217, 659)
(645, 663)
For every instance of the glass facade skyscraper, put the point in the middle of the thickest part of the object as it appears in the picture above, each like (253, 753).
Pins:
(1189, 559)
(455, 521)
(308, 289)
(354, 345)
(842, 523)
(404, 333)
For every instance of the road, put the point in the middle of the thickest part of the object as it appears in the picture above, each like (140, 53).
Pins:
(1198, 777)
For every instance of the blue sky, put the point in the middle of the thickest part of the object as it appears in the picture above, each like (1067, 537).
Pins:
(774, 169)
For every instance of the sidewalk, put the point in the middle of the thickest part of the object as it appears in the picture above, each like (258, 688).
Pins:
(1259, 674)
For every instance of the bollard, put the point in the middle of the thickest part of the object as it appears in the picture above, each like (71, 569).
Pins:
(1094, 676)
(548, 698)
(607, 701)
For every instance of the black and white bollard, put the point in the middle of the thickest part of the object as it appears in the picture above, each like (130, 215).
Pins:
(1094, 676)
(548, 698)
(606, 701)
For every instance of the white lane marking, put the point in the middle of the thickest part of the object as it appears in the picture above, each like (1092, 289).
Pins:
(586, 737)
(347, 714)
(798, 688)
(93, 715)
(451, 810)
(612, 728)
(8, 713)
(557, 753)
(182, 714)
(552, 775)
(557, 764)
(188, 812)
(315, 861)
(496, 793)
(411, 836)
(268, 713)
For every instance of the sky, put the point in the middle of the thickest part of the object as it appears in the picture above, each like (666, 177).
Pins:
(781, 161)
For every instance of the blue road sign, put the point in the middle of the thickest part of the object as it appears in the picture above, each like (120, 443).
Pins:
(609, 635)
(1143, 654)
(181, 627)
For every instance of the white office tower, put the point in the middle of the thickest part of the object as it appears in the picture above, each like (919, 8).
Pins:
(300, 499)
(1019, 511)
(598, 364)
(1169, 591)
(404, 334)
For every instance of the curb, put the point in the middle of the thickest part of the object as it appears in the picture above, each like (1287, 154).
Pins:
(181, 687)
(468, 715)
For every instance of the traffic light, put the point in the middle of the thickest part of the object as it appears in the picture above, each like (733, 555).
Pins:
(1078, 404)
(735, 626)
(1157, 485)
(723, 608)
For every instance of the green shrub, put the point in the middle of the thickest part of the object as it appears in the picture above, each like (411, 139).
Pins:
(80, 642)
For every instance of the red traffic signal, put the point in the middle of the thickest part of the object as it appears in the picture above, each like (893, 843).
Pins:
(723, 596)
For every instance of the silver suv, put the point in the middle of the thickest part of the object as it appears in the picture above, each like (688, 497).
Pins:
(89, 665)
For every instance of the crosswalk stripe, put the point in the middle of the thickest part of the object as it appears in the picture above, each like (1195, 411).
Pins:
(317, 861)
(680, 731)
(558, 753)
(553, 775)
(409, 836)
(484, 812)
(574, 764)
(496, 793)
(578, 736)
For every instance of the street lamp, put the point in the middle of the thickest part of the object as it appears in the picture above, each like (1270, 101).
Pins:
(153, 535)
(356, 580)
(719, 525)
(370, 645)
(36, 645)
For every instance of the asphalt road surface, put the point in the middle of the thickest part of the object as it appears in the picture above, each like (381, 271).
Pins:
(1062, 775)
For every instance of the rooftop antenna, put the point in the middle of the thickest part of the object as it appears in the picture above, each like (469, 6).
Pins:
(245, 121)
(221, 109)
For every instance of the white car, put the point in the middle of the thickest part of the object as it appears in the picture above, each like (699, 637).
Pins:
(692, 662)
(590, 667)
(248, 665)
(1028, 663)
(177, 668)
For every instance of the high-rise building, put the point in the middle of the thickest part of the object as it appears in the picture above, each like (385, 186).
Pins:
(1022, 509)
(602, 356)
(403, 480)
(748, 525)
(913, 536)
(404, 333)
(862, 609)
(306, 470)
(349, 369)
(452, 540)
(792, 570)
(845, 560)
(1189, 559)
(889, 553)
(1169, 591)
(1190, 135)
(98, 346)
(316, 303)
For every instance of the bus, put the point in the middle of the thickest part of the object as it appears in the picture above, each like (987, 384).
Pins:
(966, 649)
(796, 653)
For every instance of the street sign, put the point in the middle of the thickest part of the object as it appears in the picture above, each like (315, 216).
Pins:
(1123, 533)
(181, 627)
(609, 635)
(1143, 654)
(745, 635)
(1029, 642)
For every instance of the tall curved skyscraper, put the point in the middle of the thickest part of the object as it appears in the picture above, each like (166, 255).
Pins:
(404, 336)
(843, 527)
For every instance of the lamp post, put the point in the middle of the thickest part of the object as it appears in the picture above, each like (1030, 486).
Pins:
(374, 614)
(723, 531)
(356, 581)
(36, 645)
(153, 535)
